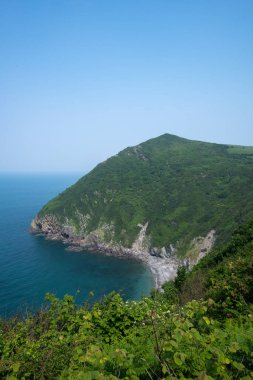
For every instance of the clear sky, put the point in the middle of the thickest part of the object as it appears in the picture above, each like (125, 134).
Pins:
(82, 79)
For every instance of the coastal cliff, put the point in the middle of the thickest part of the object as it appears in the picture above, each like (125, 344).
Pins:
(162, 263)
(166, 202)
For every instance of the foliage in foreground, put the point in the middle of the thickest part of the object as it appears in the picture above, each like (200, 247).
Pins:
(134, 340)
(160, 337)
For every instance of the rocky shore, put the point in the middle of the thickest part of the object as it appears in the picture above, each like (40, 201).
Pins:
(162, 268)
(162, 263)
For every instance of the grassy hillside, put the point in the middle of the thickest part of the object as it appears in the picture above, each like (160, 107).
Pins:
(158, 338)
(182, 188)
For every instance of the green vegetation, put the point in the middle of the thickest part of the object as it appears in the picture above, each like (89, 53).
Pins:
(199, 328)
(237, 149)
(182, 188)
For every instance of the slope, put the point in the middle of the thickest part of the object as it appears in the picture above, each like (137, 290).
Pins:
(181, 188)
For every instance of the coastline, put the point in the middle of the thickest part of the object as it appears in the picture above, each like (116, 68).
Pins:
(163, 269)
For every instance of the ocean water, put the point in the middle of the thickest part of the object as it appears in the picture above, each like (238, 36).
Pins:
(30, 266)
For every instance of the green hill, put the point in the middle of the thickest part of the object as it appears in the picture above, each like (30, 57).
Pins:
(183, 189)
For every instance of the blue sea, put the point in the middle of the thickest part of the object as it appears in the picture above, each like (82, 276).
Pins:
(30, 266)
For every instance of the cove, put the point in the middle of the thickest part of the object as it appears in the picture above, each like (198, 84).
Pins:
(31, 266)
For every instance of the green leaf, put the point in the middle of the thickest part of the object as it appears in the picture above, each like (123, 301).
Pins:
(15, 367)
(207, 320)
(234, 347)
(238, 366)
(179, 358)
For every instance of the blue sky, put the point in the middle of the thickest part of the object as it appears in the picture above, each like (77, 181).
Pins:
(82, 79)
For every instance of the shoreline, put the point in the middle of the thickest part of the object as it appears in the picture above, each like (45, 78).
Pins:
(162, 269)
(162, 263)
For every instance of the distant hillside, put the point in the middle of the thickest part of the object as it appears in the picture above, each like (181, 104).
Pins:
(171, 189)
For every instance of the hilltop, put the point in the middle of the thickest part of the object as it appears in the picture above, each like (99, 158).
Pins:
(168, 198)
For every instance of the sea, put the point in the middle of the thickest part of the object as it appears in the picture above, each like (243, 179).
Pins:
(31, 266)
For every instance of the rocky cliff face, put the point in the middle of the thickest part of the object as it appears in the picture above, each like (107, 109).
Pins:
(162, 262)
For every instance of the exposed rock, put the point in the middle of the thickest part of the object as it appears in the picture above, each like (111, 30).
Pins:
(142, 241)
(200, 246)
(163, 269)
(162, 262)
(47, 225)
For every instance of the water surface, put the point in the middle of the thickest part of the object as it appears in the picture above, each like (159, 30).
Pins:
(30, 266)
